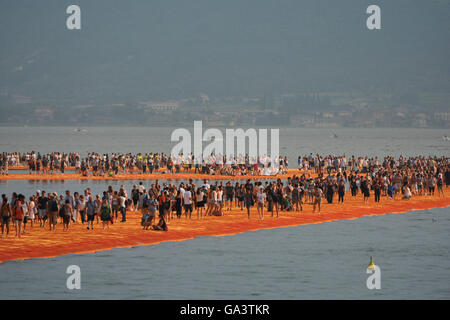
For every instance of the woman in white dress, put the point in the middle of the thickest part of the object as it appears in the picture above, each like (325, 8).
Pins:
(32, 210)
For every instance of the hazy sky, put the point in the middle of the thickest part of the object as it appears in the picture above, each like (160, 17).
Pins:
(130, 50)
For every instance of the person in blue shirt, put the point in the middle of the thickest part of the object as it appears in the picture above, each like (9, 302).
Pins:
(391, 191)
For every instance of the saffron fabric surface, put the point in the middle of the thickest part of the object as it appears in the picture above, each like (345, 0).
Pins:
(139, 176)
(42, 243)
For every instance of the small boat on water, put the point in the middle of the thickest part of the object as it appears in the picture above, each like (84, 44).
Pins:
(79, 130)
(446, 138)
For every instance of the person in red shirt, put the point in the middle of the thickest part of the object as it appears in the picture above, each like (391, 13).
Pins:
(18, 215)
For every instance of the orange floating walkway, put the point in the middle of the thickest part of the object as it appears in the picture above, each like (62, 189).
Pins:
(41, 243)
(160, 175)
(69, 168)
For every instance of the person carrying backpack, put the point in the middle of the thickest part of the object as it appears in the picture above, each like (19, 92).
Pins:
(5, 214)
(135, 197)
(91, 208)
(52, 211)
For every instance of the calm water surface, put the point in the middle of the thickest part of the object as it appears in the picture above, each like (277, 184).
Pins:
(322, 261)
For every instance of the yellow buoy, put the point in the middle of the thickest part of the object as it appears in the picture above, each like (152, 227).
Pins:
(371, 264)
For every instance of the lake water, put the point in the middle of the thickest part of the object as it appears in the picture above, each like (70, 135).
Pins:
(29, 187)
(322, 261)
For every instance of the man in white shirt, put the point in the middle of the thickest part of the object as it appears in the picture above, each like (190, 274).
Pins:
(182, 191)
(206, 184)
(141, 187)
(187, 199)
(261, 199)
(122, 205)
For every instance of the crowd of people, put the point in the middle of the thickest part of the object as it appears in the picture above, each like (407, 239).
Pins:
(319, 178)
(116, 163)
